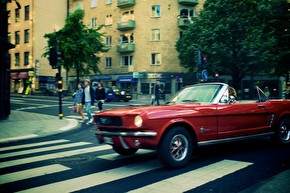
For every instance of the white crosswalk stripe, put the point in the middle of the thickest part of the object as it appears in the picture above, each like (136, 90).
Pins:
(195, 178)
(32, 145)
(97, 178)
(35, 172)
(179, 183)
(53, 156)
(56, 147)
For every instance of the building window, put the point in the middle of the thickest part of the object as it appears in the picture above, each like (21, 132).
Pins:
(26, 58)
(108, 2)
(17, 59)
(128, 15)
(126, 61)
(186, 13)
(108, 63)
(26, 36)
(78, 5)
(94, 3)
(17, 15)
(94, 22)
(109, 41)
(17, 37)
(155, 11)
(156, 59)
(127, 38)
(26, 13)
(155, 35)
(109, 20)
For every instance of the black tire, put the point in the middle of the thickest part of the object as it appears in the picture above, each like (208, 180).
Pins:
(123, 151)
(175, 148)
(283, 132)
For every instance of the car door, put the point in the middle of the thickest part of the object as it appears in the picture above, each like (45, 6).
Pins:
(243, 118)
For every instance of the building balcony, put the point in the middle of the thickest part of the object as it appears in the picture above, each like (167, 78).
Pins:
(125, 47)
(188, 2)
(184, 22)
(127, 25)
(125, 3)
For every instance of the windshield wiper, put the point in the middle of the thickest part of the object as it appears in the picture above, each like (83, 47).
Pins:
(190, 101)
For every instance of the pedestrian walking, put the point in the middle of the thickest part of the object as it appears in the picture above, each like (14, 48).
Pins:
(78, 101)
(88, 99)
(100, 95)
(157, 91)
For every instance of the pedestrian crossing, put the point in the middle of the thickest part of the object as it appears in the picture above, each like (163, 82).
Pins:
(39, 155)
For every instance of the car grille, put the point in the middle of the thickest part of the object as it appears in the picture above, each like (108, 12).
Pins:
(108, 121)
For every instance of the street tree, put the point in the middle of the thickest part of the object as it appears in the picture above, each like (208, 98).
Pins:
(80, 46)
(235, 36)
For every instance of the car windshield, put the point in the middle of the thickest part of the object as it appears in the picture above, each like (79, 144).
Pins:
(199, 93)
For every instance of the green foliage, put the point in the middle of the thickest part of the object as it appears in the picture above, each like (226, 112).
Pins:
(79, 45)
(238, 37)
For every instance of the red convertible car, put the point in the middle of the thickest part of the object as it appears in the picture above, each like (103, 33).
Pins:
(201, 114)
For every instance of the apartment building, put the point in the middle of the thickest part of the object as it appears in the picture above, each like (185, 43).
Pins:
(27, 25)
(141, 35)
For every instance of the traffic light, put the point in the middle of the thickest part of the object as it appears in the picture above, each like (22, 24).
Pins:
(54, 57)
(204, 61)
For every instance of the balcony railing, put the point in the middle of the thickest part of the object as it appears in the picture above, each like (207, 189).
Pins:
(125, 3)
(125, 47)
(184, 22)
(127, 25)
(188, 2)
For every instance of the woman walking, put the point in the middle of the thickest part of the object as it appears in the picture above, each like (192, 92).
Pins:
(88, 99)
(78, 97)
(100, 95)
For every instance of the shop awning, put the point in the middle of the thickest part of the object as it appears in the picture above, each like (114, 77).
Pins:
(14, 75)
(127, 79)
(23, 75)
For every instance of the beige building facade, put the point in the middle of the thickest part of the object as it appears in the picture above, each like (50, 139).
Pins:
(141, 35)
(27, 26)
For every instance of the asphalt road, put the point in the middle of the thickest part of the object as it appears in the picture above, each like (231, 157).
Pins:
(77, 163)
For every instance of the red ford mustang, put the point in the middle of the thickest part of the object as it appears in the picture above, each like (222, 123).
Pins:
(198, 115)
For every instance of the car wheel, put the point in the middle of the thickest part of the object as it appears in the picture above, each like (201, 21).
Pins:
(123, 151)
(175, 149)
(283, 134)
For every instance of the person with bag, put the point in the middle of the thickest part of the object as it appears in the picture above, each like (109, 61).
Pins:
(100, 95)
(78, 105)
(88, 99)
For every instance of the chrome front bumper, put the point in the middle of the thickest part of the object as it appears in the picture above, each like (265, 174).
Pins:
(127, 134)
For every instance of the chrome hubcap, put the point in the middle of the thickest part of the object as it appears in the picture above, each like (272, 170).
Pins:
(179, 147)
(285, 131)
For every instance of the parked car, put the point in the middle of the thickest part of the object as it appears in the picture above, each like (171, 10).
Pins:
(201, 114)
(110, 94)
(122, 94)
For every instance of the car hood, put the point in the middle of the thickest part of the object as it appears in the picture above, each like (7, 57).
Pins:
(156, 111)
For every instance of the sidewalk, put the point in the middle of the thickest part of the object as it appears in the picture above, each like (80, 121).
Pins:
(24, 125)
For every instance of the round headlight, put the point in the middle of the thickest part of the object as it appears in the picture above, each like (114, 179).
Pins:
(122, 92)
(138, 121)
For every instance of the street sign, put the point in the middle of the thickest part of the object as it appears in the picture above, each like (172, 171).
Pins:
(204, 75)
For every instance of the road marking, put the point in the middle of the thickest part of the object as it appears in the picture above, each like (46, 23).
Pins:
(44, 149)
(95, 179)
(19, 137)
(114, 156)
(195, 178)
(35, 172)
(53, 156)
(33, 145)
